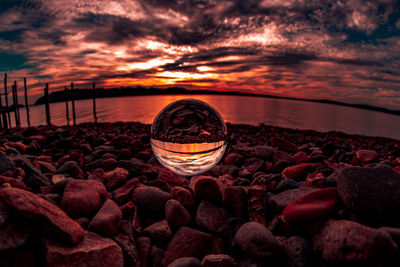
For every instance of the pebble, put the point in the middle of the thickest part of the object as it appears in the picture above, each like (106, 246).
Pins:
(176, 213)
(107, 220)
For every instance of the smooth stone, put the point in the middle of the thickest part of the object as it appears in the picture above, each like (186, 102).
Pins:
(218, 260)
(122, 194)
(159, 231)
(284, 144)
(264, 152)
(366, 155)
(72, 168)
(286, 184)
(298, 172)
(12, 234)
(206, 188)
(125, 239)
(278, 202)
(184, 196)
(185, 262)
(282, 160)
(172, 178)
(107, 220)
(211, 217)
(233, 159)
(12, 181)
(250, 166)
(33, 176)
(176, 213)
(115, 178)
(6, 163)
(133, 165)
(36, 208)
(151, 200)
(235, 200)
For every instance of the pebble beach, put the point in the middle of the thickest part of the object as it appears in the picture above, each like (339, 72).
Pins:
(95, 195)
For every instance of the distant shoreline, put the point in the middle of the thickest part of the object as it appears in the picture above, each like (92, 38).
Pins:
(81, 94)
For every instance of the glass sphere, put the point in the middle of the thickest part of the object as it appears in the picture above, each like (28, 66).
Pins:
(188, 137)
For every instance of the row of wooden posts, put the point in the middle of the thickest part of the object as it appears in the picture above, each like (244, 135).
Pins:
(5, 118)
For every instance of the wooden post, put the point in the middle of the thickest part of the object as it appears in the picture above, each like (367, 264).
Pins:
(66, 104)
(94, 103)
(27, 105)
(47, 106)
(3, 122)
(73, 103)
(6, 98)
(18, 121)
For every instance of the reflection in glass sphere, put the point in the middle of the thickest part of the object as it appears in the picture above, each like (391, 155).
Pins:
(188, 137)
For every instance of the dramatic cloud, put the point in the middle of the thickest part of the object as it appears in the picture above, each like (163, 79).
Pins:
(340, 50)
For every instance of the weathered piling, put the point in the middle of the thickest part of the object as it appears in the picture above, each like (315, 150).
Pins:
(46, 99)
(27, 105)
(73, 103)
(94, 103)
(6, 99)
(16, 105)
(3, 121)
(66, 105)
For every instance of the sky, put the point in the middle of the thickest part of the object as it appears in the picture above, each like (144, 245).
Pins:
(346, 51)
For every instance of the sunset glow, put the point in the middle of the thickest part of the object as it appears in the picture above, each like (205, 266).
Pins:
(345, 51)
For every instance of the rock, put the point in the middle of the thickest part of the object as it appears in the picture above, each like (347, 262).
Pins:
(298, 172)
(109, 164)
(46, 167)
(185, 262)
(115, 178)
(367, 156)
(176, 214)
(371, 193)
(12, 235)
(36, 208)
(281, 161)
(284, 144)
(83, 197)
(264, 152)
(219, 170)
(206, 188)
(123, 193)
(184, 196)
(298, 251)
(394, 233)
(301, 157)
(187, 242)
(12, 181)
(218, 260)
(257, 241)
(94, 251)
(235, 200)
(133, 166)
(312, 206)
(107, 220)
(151, 200)
(159, 231)
(33, 178)
(156, 254)
(172, 178)
(345, 241)
(6, 163)
(72, 168)
(250, 166)
(233, 159)
(286, 184)
(143, 244)
(278, 202)
(316, 155)
(211, 217)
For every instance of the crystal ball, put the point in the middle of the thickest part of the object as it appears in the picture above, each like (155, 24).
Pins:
(188, 137)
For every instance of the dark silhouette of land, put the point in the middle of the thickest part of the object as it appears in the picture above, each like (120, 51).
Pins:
(79, 94)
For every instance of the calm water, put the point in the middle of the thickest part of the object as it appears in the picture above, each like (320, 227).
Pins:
(234, 109)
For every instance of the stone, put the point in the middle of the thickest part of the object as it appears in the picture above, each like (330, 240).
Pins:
(371, 193)
(282, 160)
(264, 152)
(159, 231)
(298, 172)
(34, 177)
(72, 168)
(125, 239)
(36, 208)
(284, 144)
(346, 241)
(233, 159)
(93, 251)
(301, 157)
(250, 166)
(6, 163)
(122, 194)
(133, 166)
(151, 200)
(46, 167)
(109, 164)
(107, 220)
(184, 196)
(185, 262)
(83, 197)
(235, 200)
(286, 184)
(211, 217)
(278, 202)
(143, 244)
(312, 206)
(257, 241)
(12, 234)
(115, 178)
(366, 155)
(156, 254)
(256, 204)
(218, 260)
(186, 242)
(176, 213)
(12, 181)
(298, 251)
(172, 178)
(206, 188)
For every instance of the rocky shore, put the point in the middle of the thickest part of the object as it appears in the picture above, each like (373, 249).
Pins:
(94, 195)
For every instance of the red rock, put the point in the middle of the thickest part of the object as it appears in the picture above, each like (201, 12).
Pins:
(207, 188)
(233, 159)
(366, 156)
(186, 242)
(107, 220)
(301, 157)
(96, 174)
(109, 164)
(36, 208)
(218, 260)
(12, 235)
(150, 200)
(235, 200)
(122, 194)
(159, 231)
(313, 206)
(143, 244)
(20, 172)
(184, 196)
(115, 178)
(185, 262)
(46, 167)
(284, 144)
(93, 251)
(21, 147)
(12, 181)
(250, 166)
(172, 178)
(211, 217)
(176, 214)
(83, 197)
(125, 238)
(298, 172)
(316, 179)
(144, 155)
(125, 153)
(257, 208)
(282, 160)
